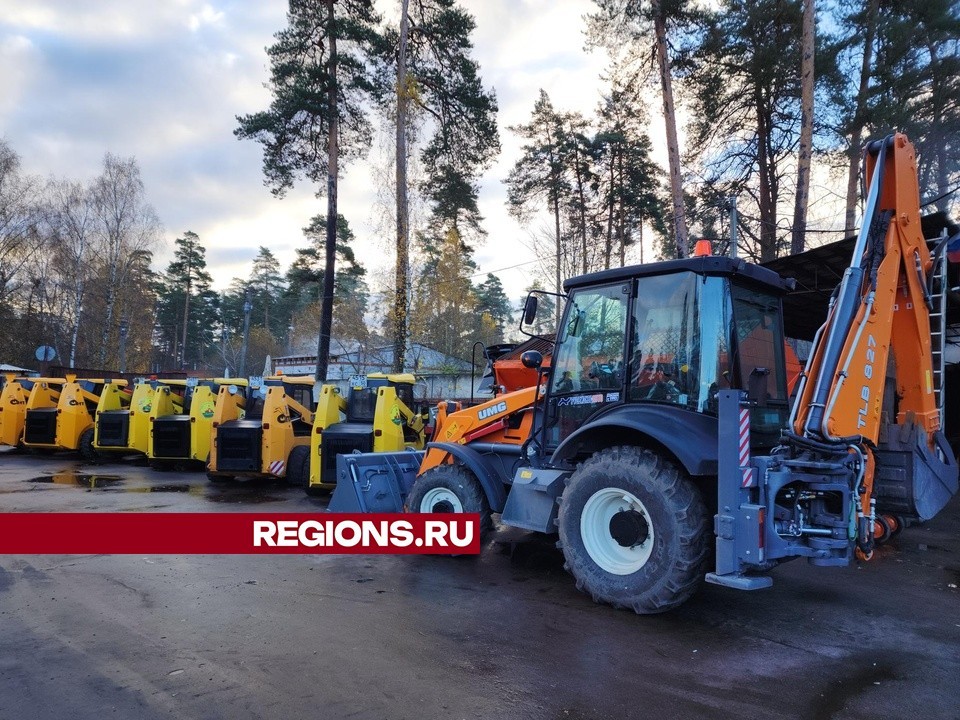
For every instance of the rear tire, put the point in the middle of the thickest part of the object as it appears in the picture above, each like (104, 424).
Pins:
(634, 530)
(85, 447)
(298, 466)
(451, 488)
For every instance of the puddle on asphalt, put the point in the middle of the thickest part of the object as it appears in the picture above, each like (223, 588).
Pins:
(87, 482)
(240, 495)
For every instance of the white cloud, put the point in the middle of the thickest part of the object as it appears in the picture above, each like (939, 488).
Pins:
(206, 16)
(81, 79)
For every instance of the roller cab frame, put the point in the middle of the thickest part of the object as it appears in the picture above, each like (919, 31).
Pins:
(114, 417)
(377, 416)
(13, 408)
(181, 425)
(255, 440)
(124, 418)
(60, 414)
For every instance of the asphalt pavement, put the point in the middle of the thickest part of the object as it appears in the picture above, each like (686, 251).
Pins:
(505, 635)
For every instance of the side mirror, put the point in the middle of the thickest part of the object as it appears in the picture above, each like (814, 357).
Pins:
(532, 359)
(530, 309)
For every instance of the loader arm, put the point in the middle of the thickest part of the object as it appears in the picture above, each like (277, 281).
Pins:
(487, 421)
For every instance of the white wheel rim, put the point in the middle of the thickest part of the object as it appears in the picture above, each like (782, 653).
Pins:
(600, 545)
(435, 496)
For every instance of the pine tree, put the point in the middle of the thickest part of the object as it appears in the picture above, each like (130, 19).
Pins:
(266, 285)
(320, 79)
(436, 77)
(744, 88)
(444, 306)
(537, 180)
(638, 32)
(629, 182)
(493, 308)
(187, 306)
(305, 282)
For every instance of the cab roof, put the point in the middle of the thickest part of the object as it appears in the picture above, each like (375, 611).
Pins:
(706, 265)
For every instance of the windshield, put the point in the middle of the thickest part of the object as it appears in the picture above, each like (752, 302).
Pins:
(589, 355)
(680, 341)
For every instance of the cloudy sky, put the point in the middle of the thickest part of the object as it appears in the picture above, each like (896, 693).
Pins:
(162, 80)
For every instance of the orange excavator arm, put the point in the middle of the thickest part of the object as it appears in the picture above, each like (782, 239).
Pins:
(882, 305)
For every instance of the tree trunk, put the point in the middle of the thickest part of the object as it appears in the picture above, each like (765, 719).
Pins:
(403, 219)
(940, 142)
(108, 314)
(670, 120)
(555, 201)
(621, 219)
(78, 312)
(767, 191)
(806, 130)
(326, 303)
(608, 248)
(583, 210)
(856, 135)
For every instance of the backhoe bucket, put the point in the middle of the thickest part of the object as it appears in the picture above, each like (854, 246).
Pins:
(374, 482)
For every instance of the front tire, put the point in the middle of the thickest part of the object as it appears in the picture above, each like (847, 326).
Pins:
(451, 488)
(634, 530)
(298, 466)
(85, 447)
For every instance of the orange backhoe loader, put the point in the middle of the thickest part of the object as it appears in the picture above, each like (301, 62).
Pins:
(664, 441)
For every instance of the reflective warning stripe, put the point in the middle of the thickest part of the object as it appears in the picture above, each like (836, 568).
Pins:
(276, 467)
(745, 468)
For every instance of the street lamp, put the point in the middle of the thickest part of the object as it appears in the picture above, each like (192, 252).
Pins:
(247, 308)
(124, 329)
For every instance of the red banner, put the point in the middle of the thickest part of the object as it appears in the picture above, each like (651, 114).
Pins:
(238, 533)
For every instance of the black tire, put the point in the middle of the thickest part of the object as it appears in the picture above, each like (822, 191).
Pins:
(85, 447)
(463, 484)
(218, 479)
(882, 531)
(298, 467)
(671, 510)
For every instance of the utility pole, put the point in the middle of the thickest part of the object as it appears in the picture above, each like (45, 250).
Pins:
(124, 329)
(186, 300)
(247, 307)
(734, 230)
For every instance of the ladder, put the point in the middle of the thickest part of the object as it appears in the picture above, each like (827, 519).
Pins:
(939, 287)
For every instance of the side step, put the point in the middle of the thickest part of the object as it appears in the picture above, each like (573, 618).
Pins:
(741, 582)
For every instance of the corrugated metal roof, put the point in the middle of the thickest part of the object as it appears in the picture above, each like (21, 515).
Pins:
(818, 271)
(542, 345)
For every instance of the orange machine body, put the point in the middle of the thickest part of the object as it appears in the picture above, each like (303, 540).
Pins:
(506, 419)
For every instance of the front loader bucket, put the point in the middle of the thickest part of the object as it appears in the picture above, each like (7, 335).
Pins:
(374, 482)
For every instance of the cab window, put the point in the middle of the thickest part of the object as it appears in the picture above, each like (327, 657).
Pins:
(589, 355)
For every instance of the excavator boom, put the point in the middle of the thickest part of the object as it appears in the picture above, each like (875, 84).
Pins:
(883, 304)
